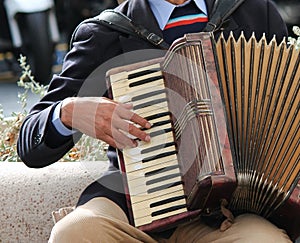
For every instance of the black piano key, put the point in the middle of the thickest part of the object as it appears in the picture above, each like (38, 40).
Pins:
(160, 132)
(164, 187)
(142, 73)
(157, 133)
(161, 170)
(157, 147)
(149, 103)
(145, 81)
(158, 115)
(162, 178)
(159, 156)
(167, 210)
(160, 123)
(147, 95)
(157, 124)
(165, 201)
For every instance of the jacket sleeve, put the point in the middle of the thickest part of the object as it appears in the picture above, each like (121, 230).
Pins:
(39, 144)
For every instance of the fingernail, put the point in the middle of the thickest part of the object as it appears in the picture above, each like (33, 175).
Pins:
(148, 125)
(147, 138)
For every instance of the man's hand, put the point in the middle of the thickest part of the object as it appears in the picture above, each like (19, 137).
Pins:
(104, 119)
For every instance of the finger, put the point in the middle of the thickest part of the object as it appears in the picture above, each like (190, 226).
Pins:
(122, 140)
(131, 116)
(132, 130)
(113, 136)
(118, 145)
(140, 120)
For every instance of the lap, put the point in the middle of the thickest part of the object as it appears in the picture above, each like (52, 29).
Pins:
(101, 219)
(247, 228)
(98, 220)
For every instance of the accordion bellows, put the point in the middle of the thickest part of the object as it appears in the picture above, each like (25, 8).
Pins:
(260, 86)
(225, 118)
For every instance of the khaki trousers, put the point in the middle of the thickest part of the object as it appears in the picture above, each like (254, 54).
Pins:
(101, 220)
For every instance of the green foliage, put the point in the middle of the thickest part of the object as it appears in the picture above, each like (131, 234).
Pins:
(9, 128)
(27, 82)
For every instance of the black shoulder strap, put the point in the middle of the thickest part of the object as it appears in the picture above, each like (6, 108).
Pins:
(221, 11)
(122, 23)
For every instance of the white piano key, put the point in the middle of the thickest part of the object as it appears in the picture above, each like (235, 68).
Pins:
(154, 86)
(149, 219)
(140, 165)
(138, 179)
(147, 203)
(157, 166)
(148, 67)
(146, 197)
(157, 140)
(124, 74)
(123, 86)
(144, 189)
(142, 157)
(142, 210)
(133, 92)
(149, 99)
(150, 110)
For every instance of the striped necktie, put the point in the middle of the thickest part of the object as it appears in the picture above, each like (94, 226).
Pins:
(186, 19)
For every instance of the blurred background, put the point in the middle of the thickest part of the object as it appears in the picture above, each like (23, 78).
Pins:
(41, 31)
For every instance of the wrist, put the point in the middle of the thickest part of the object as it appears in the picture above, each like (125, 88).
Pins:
(66, 111)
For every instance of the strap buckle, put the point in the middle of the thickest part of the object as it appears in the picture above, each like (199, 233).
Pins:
(210, 27)
(155, 39)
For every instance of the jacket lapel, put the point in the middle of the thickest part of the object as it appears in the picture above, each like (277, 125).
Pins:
(139, 14)
(209, 5)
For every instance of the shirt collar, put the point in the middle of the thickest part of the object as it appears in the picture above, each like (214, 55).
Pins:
(162, 9)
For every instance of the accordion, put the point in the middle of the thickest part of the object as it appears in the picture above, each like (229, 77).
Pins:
(225, 127)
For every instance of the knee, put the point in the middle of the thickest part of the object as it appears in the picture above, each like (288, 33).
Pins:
(87, 228)
(253, 228)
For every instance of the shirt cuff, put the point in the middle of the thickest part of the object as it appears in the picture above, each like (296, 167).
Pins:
(57, 123)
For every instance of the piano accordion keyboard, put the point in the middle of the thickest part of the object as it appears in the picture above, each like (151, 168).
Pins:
(152, 169)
